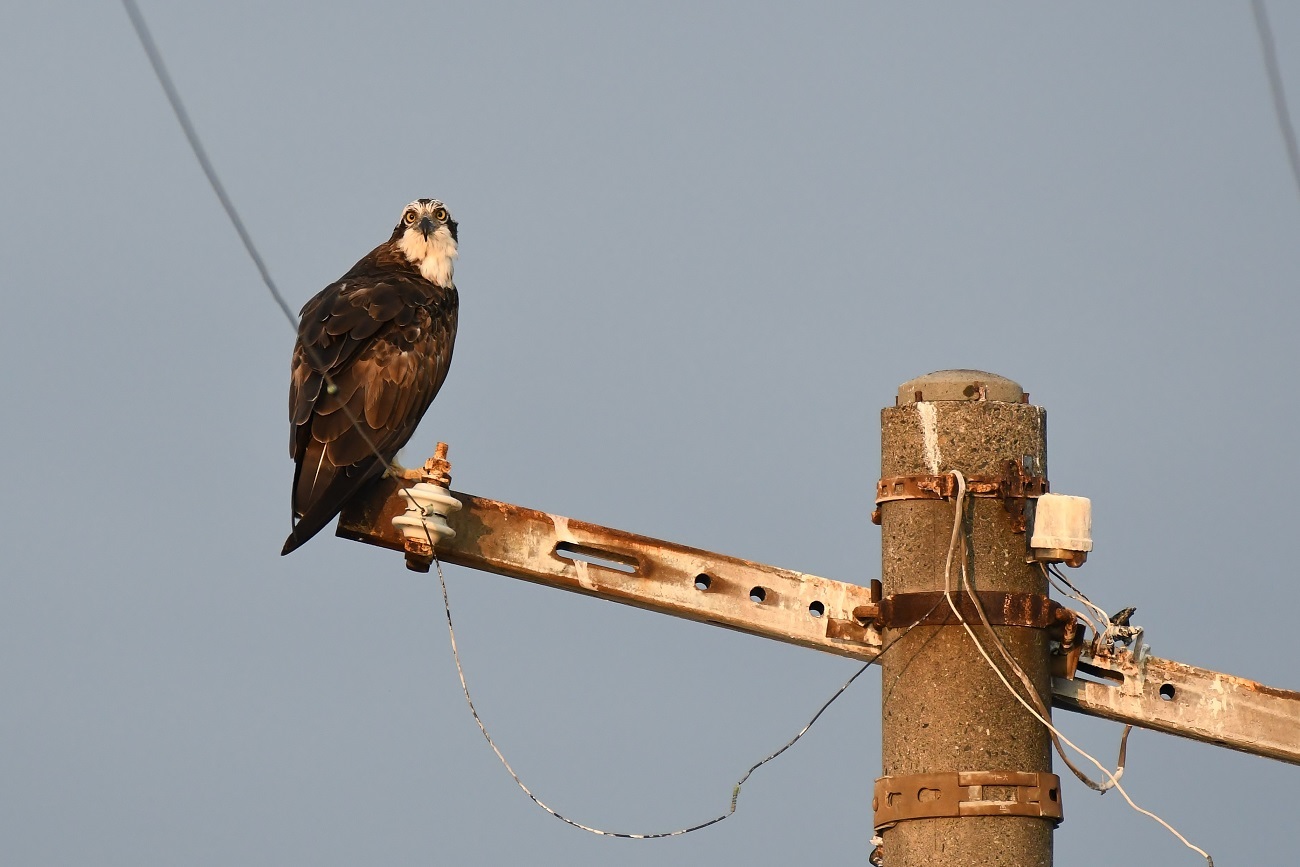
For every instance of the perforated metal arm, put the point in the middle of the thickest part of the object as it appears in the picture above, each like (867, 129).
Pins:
(810, 611)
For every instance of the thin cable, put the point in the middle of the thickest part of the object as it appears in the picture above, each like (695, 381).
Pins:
(1025, 680)
(1037, 699)
(178, 108)
(1113, 778)
(1056, 577)
(735, 791)
(979, 607)
(210, 172)
(1269, 50)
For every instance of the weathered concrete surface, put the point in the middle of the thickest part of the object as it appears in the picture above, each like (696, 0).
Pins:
(943, 708)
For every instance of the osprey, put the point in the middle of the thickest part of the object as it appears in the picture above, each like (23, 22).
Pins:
(373, 349)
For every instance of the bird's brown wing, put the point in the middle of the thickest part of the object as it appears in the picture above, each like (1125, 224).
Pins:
(385, 344)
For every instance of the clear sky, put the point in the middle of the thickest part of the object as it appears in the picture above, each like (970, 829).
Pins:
(701, 246)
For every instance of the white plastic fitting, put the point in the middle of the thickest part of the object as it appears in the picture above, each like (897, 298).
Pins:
(1061, 524)
(425, 518)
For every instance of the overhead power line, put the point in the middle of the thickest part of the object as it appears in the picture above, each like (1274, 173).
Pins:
(1269, 51)
(174, 97)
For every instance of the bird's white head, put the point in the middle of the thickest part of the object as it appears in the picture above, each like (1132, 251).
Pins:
(426, 235)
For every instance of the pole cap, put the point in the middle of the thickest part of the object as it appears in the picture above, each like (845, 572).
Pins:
(960, 385)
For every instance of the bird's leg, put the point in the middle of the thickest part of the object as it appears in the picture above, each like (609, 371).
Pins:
(436, 469)
(397, 471)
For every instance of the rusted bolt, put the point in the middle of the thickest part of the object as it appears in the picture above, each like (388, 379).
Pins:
(437, 469)
(419, 556)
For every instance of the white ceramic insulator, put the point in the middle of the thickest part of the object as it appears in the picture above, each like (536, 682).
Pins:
(427, 517)
(1063, 523)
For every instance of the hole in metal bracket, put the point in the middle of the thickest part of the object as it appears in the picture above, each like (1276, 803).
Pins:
(1167, 691)
(1102, 674)
(817, 609)
(758, 594)
(596, 557)
(703, 580)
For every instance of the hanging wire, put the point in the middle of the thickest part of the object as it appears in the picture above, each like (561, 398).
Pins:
(1113, 778)
(1030, 690)
(735, 791)
(1269, 51)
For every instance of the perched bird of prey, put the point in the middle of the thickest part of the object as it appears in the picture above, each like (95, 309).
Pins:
(373, 349)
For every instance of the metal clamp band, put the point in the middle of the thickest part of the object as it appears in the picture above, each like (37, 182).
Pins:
(1014, 487)
(944, 487)
(958, 794)
(926, 608)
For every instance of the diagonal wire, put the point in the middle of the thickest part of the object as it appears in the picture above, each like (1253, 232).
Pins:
(210, 172)
(1269, 50)
(178, 107)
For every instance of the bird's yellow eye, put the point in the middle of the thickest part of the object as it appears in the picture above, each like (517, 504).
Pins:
(409, 217)
(440, 214)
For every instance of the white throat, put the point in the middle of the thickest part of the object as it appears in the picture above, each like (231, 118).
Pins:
(435, 256)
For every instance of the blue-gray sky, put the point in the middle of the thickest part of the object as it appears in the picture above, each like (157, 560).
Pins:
(701, 247)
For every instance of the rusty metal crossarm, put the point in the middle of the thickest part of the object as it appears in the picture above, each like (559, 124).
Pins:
(813, 612)
(1191, 702)
(635, 570)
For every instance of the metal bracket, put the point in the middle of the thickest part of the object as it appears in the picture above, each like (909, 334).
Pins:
(927, 608)
(1027, 610)
(1112, 682)
(1013, 487)
(959, 794)
(618, 566)
(1122, 667)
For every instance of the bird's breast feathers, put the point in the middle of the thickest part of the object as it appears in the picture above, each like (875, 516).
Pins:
(434, 255)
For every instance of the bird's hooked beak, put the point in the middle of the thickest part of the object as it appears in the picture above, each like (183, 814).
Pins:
(427, 226)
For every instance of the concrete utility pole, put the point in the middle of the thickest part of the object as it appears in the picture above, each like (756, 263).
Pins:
(946, 716)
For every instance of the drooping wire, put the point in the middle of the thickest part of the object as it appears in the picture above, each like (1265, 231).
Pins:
(1113, 778)
(1280, 109)
(1043, 712)
(735, 791)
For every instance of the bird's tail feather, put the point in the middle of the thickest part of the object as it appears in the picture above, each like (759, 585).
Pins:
(320, 491)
